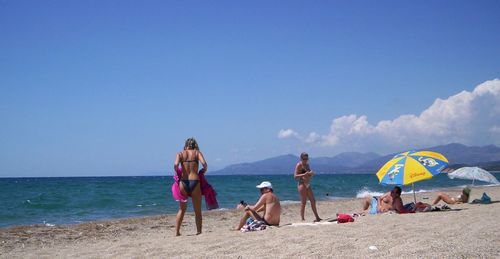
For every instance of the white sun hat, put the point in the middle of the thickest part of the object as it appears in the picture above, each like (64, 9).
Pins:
(265, 184)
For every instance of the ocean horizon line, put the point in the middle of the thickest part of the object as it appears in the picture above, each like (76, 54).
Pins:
(171, 174)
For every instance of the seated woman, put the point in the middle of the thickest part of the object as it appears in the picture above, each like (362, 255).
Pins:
(462, 198)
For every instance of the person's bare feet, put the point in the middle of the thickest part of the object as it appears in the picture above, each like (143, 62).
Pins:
(317, 220)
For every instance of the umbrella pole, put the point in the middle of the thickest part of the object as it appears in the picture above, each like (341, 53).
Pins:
(414, 196)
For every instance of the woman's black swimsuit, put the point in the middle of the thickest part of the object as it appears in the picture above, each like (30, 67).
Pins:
(301, 181)
(189, 185)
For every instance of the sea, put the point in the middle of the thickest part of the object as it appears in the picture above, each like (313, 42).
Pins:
(72, 200)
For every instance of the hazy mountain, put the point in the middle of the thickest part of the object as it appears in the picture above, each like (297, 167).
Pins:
(286, 164)
(275, 165)
(458, 155)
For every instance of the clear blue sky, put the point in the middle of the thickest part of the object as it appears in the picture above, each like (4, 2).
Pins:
(115, 87)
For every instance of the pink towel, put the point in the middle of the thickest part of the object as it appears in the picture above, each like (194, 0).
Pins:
(206, 189)
(176, 191)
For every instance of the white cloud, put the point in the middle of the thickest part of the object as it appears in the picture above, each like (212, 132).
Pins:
(468, 117)
(288, 133)
(312, 137)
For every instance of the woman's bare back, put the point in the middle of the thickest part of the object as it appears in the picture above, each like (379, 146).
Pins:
(189, 161)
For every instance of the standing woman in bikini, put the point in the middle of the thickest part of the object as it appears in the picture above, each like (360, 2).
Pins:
(303, 174)
(189, 183)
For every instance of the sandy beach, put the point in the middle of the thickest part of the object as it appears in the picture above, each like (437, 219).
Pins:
(466, 231)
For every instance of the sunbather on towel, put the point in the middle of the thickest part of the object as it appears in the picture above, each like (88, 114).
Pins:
(267, 203)
(387, 202)
(462, 198)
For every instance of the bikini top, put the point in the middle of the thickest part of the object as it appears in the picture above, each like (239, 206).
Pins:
(303, 169)
(302, 172)
(195, 160)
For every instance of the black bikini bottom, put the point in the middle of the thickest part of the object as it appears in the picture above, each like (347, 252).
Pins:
(189, 185)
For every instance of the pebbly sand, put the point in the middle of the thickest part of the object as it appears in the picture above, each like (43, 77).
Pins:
(467, 231)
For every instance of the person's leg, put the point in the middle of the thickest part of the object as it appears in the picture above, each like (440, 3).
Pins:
(196, 198)
(303, 199)
(367, 201)
(243, 220)
(248, 214)
(254, 215)
(310, 195)
(180, 217)
(444, 197)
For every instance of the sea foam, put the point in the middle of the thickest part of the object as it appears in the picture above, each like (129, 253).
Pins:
(365, 191)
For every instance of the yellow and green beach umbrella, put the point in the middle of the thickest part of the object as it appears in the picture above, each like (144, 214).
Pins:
(412, 166)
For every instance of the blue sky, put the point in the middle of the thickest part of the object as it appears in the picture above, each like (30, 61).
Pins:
(115, 87)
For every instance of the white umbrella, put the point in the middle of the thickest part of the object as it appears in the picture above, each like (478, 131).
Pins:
(473, 173)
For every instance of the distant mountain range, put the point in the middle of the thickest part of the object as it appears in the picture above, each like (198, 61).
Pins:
(487, 157)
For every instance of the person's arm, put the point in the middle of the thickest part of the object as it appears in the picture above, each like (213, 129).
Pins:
(386, 199)
(259, 206)
(177, 161)
(308, 172)
(202, 160)
(398, 205)
(297, 175)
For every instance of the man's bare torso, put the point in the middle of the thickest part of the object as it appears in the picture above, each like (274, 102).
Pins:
(272, 208)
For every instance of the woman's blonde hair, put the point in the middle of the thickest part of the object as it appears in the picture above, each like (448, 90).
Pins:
(191, 144)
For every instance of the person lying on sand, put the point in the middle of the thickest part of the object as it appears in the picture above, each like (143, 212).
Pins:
(462, 198)
(267, 203)
(387, 202)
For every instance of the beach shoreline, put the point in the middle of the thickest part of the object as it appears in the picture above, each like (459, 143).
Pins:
(469, 230)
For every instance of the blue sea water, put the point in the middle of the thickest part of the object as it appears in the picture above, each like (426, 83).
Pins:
(70, 200)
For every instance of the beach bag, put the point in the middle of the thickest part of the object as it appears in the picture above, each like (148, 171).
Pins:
(344, 218)
(485, 199)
